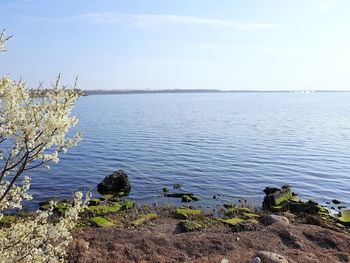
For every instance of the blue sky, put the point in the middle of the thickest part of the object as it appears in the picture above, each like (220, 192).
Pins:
(182, 44)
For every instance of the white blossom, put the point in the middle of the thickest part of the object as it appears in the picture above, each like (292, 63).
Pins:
(33, 133)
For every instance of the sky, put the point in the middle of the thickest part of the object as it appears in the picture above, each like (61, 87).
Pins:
(182, 44)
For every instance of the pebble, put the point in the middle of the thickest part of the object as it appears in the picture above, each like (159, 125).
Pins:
(271, 219)
(256, 260)
(237, 238)
(224, 261)
(270, 257)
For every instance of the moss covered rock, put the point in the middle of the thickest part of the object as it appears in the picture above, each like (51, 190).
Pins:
(188, 211)
(94, 202)
(232, 221)
(128, 204)
(275, 198)
(180, 216)
(197, 224)
(251, 215)
(188, 225)
(345, 217)
(229, 205)
(102, 222)
(186, 199)
(104, 209)
(143, 218)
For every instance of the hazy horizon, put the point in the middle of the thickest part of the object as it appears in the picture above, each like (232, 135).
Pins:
(200, 44)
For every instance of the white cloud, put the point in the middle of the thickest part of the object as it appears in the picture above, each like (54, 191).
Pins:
(327, 4)
(150, 21)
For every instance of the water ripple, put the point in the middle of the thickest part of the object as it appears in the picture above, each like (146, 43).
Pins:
(228, 144)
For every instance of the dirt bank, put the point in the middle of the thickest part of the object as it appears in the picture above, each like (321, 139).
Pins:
(162, 240)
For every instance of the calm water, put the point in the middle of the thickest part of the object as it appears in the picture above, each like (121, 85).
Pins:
(233, 144)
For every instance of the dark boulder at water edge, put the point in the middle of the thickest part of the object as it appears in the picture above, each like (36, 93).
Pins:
(116, 183)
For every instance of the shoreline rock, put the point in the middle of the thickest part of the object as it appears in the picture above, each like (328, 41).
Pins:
(116, 184)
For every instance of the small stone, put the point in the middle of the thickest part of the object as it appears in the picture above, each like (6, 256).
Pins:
(256, 260)
(237, 239)
(270, 257)
(224, 261)
(229, 205)
(186, 199)
(335, 201)
(271, 219)
(286, 186)
(81, 245)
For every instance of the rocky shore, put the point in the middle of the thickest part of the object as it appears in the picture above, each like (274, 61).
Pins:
(285, 229)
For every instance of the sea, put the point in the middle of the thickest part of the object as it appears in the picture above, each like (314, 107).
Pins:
(222, 147)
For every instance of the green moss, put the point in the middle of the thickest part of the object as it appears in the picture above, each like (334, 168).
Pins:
(251, 215)
(102, 222)
(340, 225)
(323, 209)
(26, 214)
(243, 209)
(193, 225)
(143, 218)
(61, 208)
(128, 204)
(345, 217)
(284, 197)
(237, 209)
(188, 211)
(103, 209)
(281, 206)
(232, 221)
(7, 219)
(180, 216)
(106, 197)
(189, 226)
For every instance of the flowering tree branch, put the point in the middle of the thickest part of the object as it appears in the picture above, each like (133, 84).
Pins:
(33, 130)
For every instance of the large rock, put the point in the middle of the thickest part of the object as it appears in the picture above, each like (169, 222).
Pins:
(270, 257)
(276, 197)
(271, 219)
(116, 183)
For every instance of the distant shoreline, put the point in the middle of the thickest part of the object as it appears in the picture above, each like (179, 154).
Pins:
(112, 92)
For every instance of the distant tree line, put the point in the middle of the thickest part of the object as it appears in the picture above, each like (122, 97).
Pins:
(38, 93)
